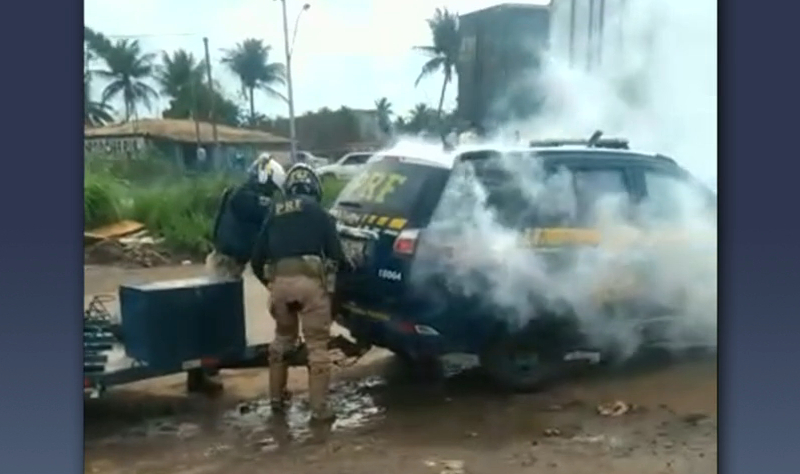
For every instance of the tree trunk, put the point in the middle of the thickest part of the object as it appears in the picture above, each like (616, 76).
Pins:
(252, 108)
(441, 97)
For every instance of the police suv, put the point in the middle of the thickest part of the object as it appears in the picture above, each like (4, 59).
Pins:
(385, 215)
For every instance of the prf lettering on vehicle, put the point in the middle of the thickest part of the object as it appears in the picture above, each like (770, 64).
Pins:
(374, 186)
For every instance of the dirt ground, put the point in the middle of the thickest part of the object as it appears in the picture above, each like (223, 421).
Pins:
(388, 422)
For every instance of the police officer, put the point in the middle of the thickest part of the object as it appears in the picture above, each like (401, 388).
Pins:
(296, 254)
(237, 224)
(240, 215)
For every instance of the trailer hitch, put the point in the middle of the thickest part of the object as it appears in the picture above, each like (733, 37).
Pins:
(259, 356)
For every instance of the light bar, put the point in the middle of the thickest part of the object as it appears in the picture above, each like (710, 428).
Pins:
(612, 143)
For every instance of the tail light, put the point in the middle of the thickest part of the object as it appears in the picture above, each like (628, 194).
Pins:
(406, 242)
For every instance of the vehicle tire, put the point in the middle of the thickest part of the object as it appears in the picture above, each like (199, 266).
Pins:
(419, 369)
(518, 368)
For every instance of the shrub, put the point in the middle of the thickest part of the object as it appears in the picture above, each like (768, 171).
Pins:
(331, 187)
(182, 213)
(103, 197)
(181, 210)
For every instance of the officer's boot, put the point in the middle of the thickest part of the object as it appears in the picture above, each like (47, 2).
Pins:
(319, 379)
(278, 376)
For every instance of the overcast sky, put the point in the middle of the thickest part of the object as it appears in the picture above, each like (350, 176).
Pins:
(347, 52)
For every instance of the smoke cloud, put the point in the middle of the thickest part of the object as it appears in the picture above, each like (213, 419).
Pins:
(658, 90)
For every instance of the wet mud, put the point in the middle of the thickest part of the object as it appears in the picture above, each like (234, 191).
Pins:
(391, 420)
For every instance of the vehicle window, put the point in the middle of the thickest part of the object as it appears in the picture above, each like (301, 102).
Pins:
(671, 198)
(518, 190)
(355, 160)
(601, 193)
(390, 187)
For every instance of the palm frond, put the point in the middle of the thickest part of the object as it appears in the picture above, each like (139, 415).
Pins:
(431, 66)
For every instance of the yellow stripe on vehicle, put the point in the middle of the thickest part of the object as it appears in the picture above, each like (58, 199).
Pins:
(557, 236)
(381, 221)
(364, 312)
(397, 223)
(619, 238)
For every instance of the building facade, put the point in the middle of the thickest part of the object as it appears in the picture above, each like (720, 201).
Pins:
(502, 51)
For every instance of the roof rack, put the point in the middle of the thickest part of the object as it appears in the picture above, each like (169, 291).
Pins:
(595, 141)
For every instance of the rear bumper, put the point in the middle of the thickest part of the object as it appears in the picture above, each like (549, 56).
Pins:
(392, 331)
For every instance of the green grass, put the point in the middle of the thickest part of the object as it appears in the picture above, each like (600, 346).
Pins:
(331, 187)
(102, 199)
(181, 210)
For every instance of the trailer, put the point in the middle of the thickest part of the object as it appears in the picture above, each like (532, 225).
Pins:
(175, 326)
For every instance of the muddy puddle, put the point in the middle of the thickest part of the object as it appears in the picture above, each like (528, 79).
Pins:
(391, 399)
(461, 411)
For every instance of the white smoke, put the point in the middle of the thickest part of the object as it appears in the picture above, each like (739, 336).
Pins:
(660, 93)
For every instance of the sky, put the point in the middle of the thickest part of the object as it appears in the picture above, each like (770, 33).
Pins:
(347, 52)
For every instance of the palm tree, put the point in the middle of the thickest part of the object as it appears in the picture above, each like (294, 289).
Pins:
(94, 113)
(443, 54)
(178, 73)
(96, 43)
(419, 118)
(127, 68)
(384, 109)
(249, 60)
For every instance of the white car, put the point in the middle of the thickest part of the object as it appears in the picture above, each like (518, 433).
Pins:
(346, 167)
(312, 160)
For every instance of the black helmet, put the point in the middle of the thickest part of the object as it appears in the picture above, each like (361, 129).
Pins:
(302, 179)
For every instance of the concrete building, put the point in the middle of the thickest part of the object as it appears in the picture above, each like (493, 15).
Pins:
(501, 52)
(178, 141)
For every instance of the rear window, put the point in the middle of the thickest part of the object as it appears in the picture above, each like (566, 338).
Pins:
(518, 189)
(524, 191)
(392, 187)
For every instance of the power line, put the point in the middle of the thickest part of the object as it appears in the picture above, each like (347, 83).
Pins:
(150, 35)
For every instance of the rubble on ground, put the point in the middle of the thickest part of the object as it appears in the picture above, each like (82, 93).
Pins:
(124, 242)
(617, 408)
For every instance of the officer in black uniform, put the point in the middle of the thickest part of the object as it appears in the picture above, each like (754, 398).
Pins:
(239, 218)
(238, 221)
(297, 255)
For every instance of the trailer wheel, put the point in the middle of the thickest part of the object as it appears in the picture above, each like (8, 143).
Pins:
(199, 381)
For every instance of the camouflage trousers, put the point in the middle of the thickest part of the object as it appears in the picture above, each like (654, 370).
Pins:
(223, 266)
(301, 302)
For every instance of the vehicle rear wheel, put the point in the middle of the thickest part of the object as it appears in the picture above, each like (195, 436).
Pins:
(518, 367)
(419, 368)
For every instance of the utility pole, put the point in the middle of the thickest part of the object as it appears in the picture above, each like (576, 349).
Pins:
(287, 50)
(572, 32)
(211, 116)
(622, 14)
(194, 112)
(600, 25)
(590, 38)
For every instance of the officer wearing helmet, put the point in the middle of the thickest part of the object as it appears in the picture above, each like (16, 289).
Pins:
(240, 215)
(241, 212)
(296, 254)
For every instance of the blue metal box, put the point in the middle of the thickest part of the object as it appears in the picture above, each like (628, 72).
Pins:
(167, 323)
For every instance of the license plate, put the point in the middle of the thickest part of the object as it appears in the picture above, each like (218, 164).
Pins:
(354, 251)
